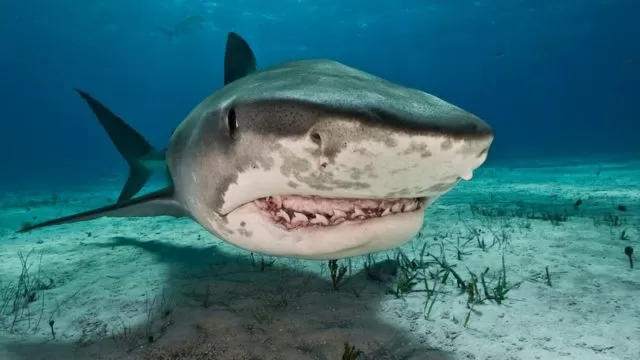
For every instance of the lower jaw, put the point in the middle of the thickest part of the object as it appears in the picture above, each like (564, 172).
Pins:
(252, 229)
(351, 238)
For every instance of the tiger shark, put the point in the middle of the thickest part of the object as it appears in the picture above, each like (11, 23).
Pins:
(310, 159)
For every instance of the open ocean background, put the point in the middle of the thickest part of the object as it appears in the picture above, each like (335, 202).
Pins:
(555, 79)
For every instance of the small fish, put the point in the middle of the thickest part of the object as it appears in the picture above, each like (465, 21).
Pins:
(185, 26)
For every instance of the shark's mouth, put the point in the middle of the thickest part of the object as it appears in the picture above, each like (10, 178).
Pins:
(293, 212)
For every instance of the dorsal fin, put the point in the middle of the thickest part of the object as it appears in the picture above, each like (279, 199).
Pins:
(239, 60)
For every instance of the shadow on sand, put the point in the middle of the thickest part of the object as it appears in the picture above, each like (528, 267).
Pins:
(218, 306)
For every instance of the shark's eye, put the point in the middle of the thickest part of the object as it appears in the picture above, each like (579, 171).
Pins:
(232, 123)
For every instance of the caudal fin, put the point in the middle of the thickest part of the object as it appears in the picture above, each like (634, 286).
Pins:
(157, 203)
(239, 59)
(132, 146)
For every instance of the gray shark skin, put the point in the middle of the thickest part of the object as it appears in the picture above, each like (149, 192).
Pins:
(312, 159)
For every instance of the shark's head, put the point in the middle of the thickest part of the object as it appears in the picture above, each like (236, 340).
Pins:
(314, 159)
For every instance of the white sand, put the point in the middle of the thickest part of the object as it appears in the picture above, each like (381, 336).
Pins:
(207, 300)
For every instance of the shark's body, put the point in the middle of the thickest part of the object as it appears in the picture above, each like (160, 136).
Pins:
(186, 26)
(311, 159)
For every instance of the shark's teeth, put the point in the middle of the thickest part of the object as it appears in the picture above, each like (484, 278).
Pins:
(338, 214)
(277, 200)
(396, 208)
(262, 203)
(283, 215)
(358, 214)
(410, 207)
(299, 219)
(298, 211)
(384, 204)
(320, 220)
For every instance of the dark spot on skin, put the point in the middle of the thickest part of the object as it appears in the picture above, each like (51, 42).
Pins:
(467, 149)
(266, 163)
(245, 232)
(318, 186)
(447, 145)
(325, 182)
(226, 231)
(315, 152)
(293, 184)
(364, 152)
(398, 171)
(292, 163)
(400, 193)
(417, 148)
(243, 224)
(356, 173)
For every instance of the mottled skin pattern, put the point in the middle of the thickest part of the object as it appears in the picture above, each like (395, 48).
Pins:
(317, 127)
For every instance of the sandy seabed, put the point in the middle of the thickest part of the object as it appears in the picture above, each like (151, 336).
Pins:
(166, 289)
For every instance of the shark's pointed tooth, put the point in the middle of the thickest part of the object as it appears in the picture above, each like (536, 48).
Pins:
(320, 220)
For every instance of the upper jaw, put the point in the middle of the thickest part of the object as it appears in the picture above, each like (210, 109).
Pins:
(421, 167)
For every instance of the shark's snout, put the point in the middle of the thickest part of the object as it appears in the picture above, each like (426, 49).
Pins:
(436, 124)
(442, 147)
(456, 123)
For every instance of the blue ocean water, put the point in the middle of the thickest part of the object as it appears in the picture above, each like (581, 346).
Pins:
(553, 78)
(556, 80)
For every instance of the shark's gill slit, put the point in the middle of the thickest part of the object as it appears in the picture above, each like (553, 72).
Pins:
(292, 212)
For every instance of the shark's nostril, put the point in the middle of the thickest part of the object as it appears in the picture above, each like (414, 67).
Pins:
(316, 138)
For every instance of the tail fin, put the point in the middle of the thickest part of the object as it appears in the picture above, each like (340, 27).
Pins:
(239, 60)
(133, 147)
(157, 203)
